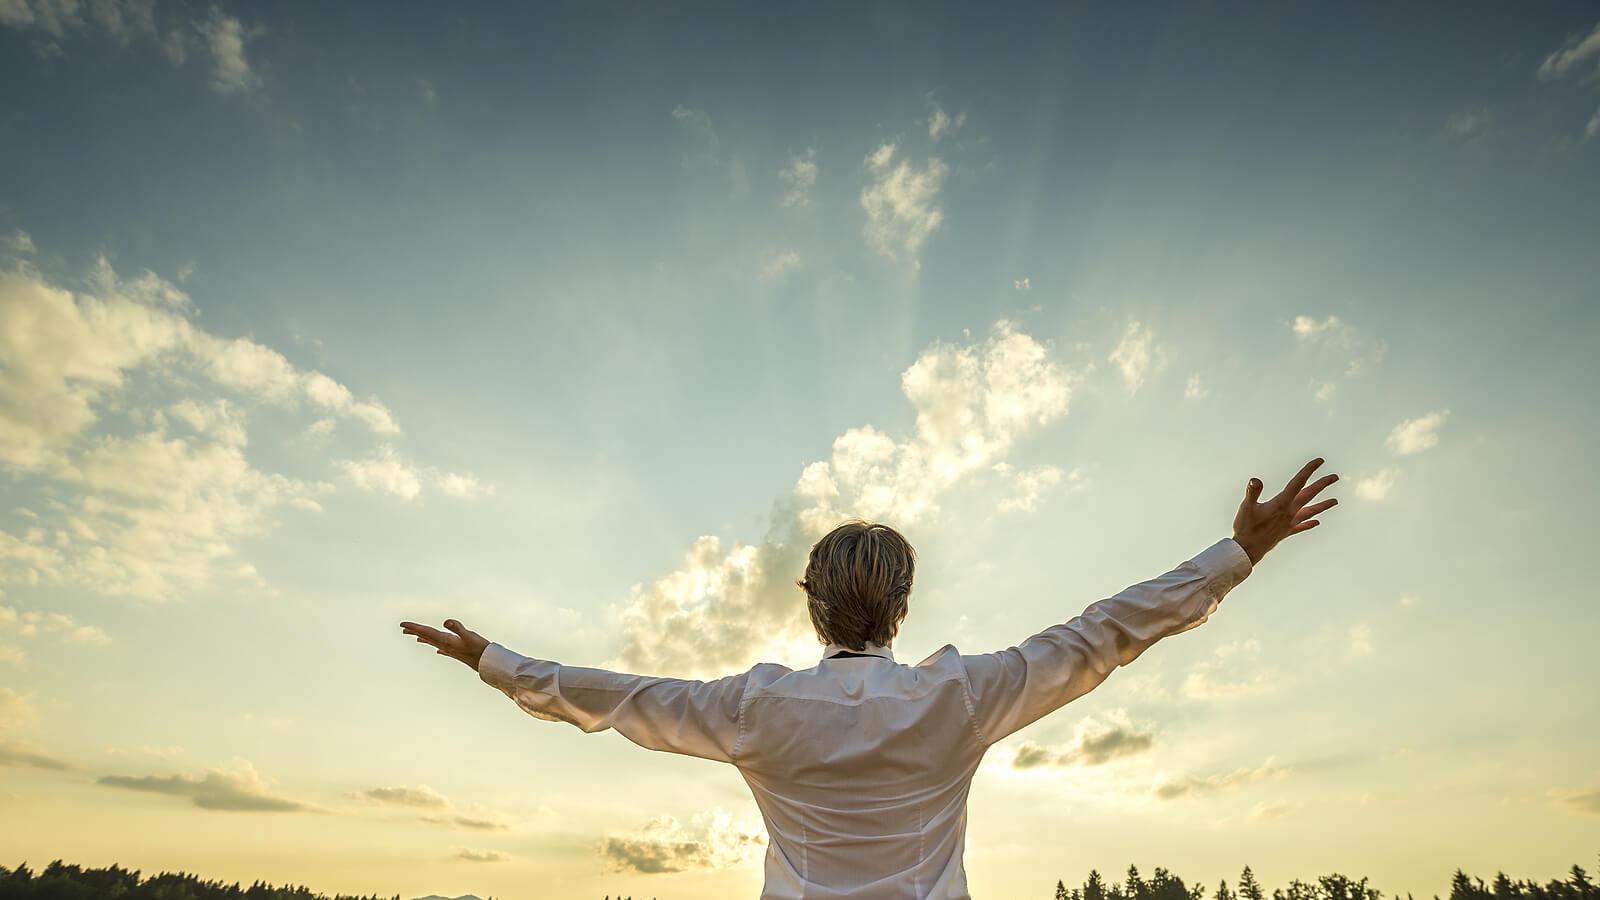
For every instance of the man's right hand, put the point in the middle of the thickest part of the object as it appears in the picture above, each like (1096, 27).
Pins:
(1258, 527)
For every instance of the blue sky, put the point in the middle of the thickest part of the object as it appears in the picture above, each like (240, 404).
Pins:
(579, 323)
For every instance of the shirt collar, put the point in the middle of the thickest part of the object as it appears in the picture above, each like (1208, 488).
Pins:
(874, 649)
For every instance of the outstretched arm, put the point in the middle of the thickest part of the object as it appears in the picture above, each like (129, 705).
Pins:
(695, 718)
(1015, 687)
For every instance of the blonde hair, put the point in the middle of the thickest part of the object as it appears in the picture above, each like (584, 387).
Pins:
(858, 583)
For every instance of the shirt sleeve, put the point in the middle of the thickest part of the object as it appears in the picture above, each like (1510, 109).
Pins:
(1015, 687)
(695, 718)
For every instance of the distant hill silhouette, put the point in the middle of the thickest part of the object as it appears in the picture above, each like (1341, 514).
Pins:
(441, 897)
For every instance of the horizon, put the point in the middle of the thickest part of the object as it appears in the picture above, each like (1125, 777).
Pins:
(579, 325)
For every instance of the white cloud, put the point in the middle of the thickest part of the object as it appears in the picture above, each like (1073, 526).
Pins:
(1416, 435)
(1467, 124)
(713, 840)
(384, 471)
(1195, 388)
(778, 264)
(1029, 486)
(1578, 50)
(16, 710)
(471, 855)
(1023, 284)
(1378, 485)
(33, 623)
(1359, 642)
(154, 488)
(941, 123)
(798, 178)
(698, 122)
(1234, 671)
(901, 204)
(1332, 336)
(727, 608)
(1136, 355)
(1592, 127)
(225, 38)
(1195, 785)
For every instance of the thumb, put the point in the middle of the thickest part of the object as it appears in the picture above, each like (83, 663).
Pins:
(1252, 490)
(456, 626)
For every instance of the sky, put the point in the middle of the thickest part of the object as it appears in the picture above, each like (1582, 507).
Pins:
(579, 323)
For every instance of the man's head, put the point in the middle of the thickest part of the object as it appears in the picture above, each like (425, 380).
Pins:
(857, 584)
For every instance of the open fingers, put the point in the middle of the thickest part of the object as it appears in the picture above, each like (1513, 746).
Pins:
(1301, 477)
(1307, 525)
(428, 635)
(1315, 508)
(1316, 487)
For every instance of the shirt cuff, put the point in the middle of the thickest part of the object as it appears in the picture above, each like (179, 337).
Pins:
(498, 666)
(1224, 564)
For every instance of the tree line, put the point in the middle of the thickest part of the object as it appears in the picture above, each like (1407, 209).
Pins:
(1164, 885)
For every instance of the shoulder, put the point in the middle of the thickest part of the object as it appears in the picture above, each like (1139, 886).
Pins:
(943, 657)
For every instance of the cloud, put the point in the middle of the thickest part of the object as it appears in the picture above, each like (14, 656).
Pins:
(1195, 389)
(419, 796)
(1467, 124)
(480, 855)
(467, 822)
(16, 710)
(728, 608)
(1592, 127)
(1333, 335)
(1377, 486)
(1094, 743)
(21, 758)
(1416, 435)
(901, 203)
(712, 841)
(1023, 284)
(1029, 486)
(798, 178)
(1136, 355)
(137, 420)
(1577, 51)
(779, 263)
(698, 123)
(225, 37)
(385, 472)
(241, 790)
(1358, 643)
(33, 623)
(1196, 785)
(1585, 801)
(941, 123)
(1234, 671)
(130, 22)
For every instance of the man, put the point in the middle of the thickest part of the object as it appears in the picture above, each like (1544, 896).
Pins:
(860, 764)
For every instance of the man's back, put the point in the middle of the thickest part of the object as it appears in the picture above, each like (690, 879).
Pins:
(860, 766)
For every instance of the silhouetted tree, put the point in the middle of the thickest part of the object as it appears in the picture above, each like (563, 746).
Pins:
(1249, 888)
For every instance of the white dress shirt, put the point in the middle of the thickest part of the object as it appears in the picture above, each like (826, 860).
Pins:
(861, 764)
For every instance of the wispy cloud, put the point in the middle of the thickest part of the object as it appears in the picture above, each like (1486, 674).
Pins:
(470, 855)
(1094, 743)
(1358, 353)
(778, 264)
(1030, 486)
(729, 608)
(420, 796)
(941, 123)
(225, 38)
(712, 840)
(241, 789)
(798, 178)
(1196, 785)
(1416, 435)
(1234, 671)
(1378, 485)
(901, 203)
(1578, 50)
(1136, 355)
